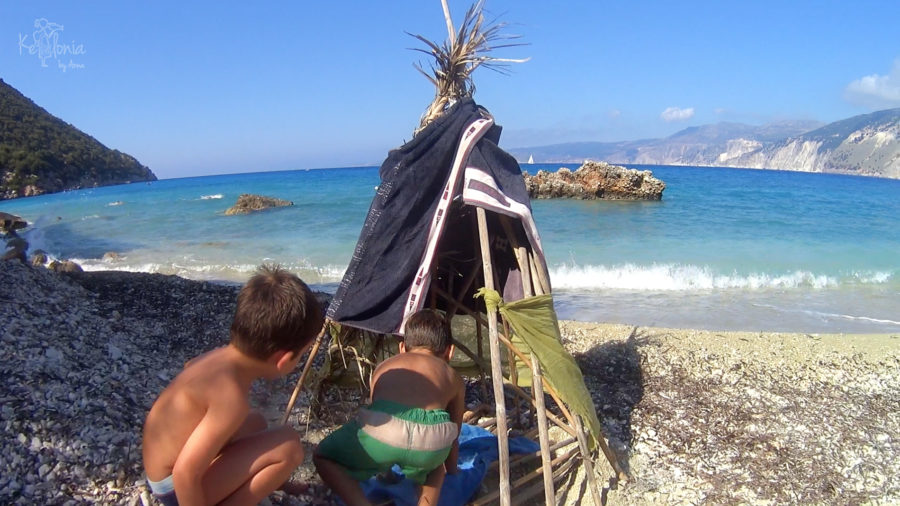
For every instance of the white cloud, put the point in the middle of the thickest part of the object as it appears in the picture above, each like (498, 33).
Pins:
(677, 114)
(876, 90)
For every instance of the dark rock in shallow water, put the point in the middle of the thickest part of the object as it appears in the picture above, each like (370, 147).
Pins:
(595, 180)
(248, 203)
(16, 247)
(9, 223)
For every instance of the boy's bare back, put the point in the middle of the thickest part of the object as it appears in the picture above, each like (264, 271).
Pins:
(418, 379)
(208, 391)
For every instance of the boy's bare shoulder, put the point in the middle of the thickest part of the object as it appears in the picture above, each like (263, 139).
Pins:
(208, 379)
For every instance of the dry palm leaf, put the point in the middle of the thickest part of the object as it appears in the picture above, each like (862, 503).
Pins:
(463, 52)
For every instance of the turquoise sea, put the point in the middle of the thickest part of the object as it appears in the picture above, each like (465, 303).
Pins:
(726, 249)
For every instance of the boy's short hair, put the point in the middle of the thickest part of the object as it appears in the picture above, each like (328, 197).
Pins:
(427, 329)
(275, 311)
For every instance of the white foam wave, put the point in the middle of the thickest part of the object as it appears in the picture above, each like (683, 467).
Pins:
(227, 272)
(211, 197)
(674, 277)
(831, 316)
(116, 203)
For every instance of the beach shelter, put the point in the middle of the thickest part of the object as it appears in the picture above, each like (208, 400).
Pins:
(450, 228)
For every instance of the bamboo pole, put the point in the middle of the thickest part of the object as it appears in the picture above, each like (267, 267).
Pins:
(610, 456)
(542, 277)
(544, 435)
(496, 367)
(546, 385)
(450, 31)
(561, 460)
(588, 462)
(550, 416)
(521, 256)
(306, 368)
(522, 497)
(525, 457)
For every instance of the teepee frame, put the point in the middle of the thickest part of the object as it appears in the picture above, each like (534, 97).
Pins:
(535, 281)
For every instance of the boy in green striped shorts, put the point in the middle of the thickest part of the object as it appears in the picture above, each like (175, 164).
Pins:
(416, 409)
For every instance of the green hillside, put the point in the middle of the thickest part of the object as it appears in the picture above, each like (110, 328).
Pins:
(40, 153)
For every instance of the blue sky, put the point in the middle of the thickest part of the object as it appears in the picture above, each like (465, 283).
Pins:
(214, 87)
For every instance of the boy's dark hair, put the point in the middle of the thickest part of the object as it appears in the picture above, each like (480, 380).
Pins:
(275, 311)
(427, 329)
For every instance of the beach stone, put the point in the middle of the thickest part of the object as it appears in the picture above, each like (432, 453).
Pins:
(16, 249)
(9, 223)
(65, 266)
(39, 258)
(595, 180)
(248, 203)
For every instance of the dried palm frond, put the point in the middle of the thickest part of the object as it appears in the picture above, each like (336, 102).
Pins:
(456, 59)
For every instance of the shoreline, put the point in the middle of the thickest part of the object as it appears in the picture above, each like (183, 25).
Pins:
(693, 415)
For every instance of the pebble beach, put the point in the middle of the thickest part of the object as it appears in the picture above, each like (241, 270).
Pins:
(693, 416)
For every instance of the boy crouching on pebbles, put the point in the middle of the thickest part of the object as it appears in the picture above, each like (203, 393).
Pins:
(416, 409)
(202, 443)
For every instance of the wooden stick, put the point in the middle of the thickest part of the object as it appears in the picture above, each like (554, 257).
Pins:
(525, 479)
(479, 338)
(479, 361)
(522, 497)
(467, 283)
(524, 457)
(496, 367)
(544, 435)
(610, 456)
(543, 284)
(513, 371)
(467, 352)
(306, 367)
(449, 20)
(547, 386)
(588, 462)
(550, 416)
(521, 256)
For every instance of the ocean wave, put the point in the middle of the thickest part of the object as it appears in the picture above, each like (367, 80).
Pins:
(825, 315)
(233, 272)
(211, 197)
(675, 277)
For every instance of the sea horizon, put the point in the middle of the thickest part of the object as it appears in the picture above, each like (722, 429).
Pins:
(725, 249)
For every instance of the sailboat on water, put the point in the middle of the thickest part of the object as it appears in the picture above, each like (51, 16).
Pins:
(530, 158)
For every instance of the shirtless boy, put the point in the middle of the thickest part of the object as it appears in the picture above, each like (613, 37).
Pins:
(416, 409)
(202, 443)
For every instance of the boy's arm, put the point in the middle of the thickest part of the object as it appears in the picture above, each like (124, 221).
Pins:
(456, 408)
(225, 415)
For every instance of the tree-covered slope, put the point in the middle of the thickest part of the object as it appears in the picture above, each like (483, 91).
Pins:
(40, 153)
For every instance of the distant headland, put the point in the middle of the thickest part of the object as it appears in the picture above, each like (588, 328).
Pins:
(40, 153)
(864, 145)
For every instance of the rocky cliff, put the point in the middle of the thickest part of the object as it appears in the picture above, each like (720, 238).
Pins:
(867, 145)
(40, 153)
